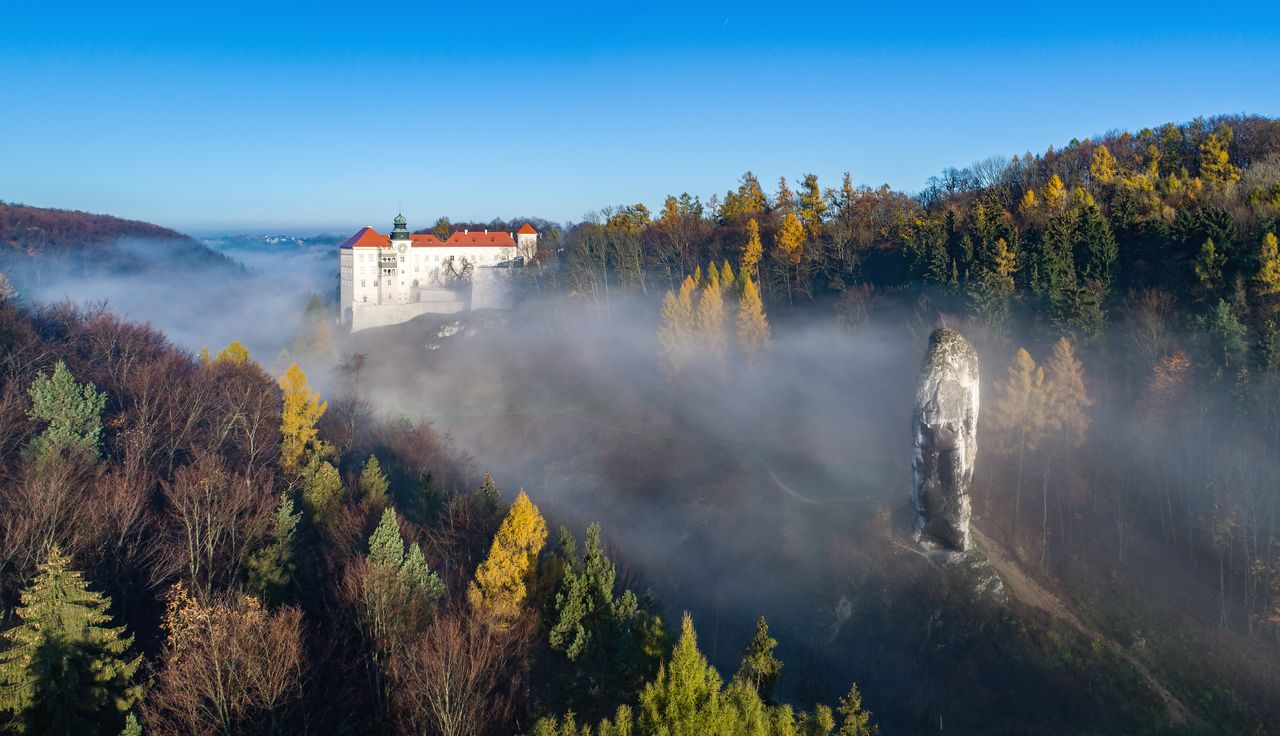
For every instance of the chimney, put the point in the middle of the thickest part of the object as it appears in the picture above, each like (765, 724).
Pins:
(486, 231)
(465, 231)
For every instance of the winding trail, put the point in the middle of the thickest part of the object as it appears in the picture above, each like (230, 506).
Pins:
(1025, 589)
(1019, 585)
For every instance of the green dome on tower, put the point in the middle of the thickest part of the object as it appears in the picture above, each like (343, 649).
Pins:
(401, 230)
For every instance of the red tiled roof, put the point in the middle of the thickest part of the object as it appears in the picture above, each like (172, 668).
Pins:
(496, 239)
(367, 237)
(526, 229)
(424, 239)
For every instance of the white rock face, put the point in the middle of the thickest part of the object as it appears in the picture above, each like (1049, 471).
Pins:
(944, 432)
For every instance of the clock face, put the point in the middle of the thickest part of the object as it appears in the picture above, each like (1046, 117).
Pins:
(400, 247)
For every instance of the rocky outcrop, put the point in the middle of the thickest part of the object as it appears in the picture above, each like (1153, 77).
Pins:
(944, 431)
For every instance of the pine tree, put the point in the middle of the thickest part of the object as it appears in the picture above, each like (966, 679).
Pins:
(488, 495)
(302, 409)
(749, 265)
(373, 483)
(1268, 278)
(65, 671)
(501, 583)
(1097, 250)
(759, 668)
(684, 700)
(234, 354)
(854, 719)
(786, 200)
(73, 411)
(992, 291)
(752, 327)
(271, 567)
(321, 491)
(399, 589)
(813, 206)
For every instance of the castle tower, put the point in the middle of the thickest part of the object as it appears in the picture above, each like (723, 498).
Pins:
(527, 242)
(399, 271)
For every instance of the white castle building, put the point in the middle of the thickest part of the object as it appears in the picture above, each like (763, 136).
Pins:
(391, 279)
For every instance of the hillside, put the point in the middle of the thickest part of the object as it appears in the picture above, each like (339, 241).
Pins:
(35, 240)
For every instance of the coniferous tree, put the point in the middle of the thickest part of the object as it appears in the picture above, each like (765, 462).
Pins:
(1103, 166)
(759, 668)
(234, 354)
(302, 409)
(399, 589)
(502, 581)
(1215, 163)
(1208, 267)
(1018, 415)
(1268, 278)
(711, 320)
(73, 412)
(321, 491)
(854, 719)
(753, 330)
(65, 671)
(373, 483)
(813, 206)
(752, 252)
(684, 700)
(271, 567)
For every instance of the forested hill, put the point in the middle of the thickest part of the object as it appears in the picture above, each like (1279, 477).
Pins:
(33, 236)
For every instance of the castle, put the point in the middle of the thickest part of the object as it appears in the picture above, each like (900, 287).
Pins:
(386, 280)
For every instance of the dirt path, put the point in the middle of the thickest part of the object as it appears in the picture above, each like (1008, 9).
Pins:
(1025, 589)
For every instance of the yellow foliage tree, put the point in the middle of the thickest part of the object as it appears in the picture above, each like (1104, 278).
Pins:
(752, 251)
(675, 332)
(753, 328)
(234, 353)
(790, 240)
(1215, 165)
(1018, 414)
(711, 321)
(1029, 203)
(1065, 397)
(1103, 166)
(302, 409)
(1268, 278)
(1055, 192)
(726, 275)
(502, 580)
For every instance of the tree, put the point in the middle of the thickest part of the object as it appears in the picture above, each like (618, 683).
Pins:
(1065, 403)
(813, 206)
(759, 668)
(786, 200)
(1096, 251)
(501, 583)
(373, 483)
(854, 719)
(228, 666)
(1215, 165)
(789, 243)
(73, 411)
(1103, 166)
(749, 264)
(1268, 278)
(398, 589)
(64, 670)
(442, 229)
(675, 333)
(727, 278)
(993, 290)
(233, 354)
(711, 320)
(321, 491)
(1208, 267)
(684, 700)
(302, 409)
(271, 567)
(752, 327)
(1018, 414)
(1055, 193)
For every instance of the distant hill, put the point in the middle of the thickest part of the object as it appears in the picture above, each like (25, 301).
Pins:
(35, 239)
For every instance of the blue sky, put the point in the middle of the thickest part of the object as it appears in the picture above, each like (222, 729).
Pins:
(311, 117)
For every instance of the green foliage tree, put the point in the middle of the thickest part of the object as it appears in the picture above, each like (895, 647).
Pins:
(321, 491)
(399, 590)
(813, 207)
(272, 566)
(73, 412)
(1208, 267)
(373, 483)
(854, 719)
(759, 668)
(65, 671)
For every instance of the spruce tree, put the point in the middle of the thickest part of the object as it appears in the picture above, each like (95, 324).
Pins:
(760, 669)
(373, 483)
(271, 567)
(854, 719)
(65, 671)
(73, 412)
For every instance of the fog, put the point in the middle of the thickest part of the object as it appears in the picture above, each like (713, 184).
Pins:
(732, 491)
